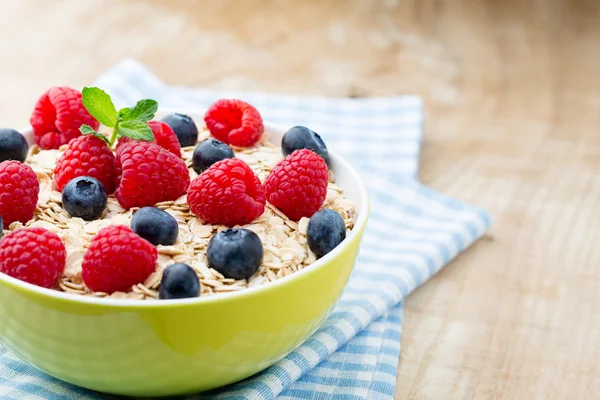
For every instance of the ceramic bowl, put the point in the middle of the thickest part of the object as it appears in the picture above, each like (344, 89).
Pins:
(161, 348)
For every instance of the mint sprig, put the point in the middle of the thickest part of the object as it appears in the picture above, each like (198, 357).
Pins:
(127, 122)
(123, 112)
(136, 129)
(99, 105)
(88, 130)
(144, 110)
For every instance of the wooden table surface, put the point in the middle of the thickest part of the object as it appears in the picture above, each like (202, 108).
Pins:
(512, 94)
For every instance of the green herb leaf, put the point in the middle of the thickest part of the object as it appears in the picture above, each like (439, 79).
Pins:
(135, 129)
(123, 112)
(99, 105)
(144, 110)
(88, 130)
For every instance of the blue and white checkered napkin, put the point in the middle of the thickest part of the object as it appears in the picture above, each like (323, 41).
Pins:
(413, 231)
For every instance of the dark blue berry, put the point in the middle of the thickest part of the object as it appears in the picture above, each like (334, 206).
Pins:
(209, 152)
(155, 225)
(179, 281)
(326, 229)
(300, 137)
(13, 145)
(236, 253)
(184, 127)
(84, 197)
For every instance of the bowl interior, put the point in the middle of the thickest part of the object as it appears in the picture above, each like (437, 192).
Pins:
(346, 177)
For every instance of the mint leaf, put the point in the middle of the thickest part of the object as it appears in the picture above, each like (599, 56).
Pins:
(144, 110)
(123, 112)
(88, 130)
(99, 105)
(135, 129)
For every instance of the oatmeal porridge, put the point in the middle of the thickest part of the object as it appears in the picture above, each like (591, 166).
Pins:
(285, 247)
(279, 210)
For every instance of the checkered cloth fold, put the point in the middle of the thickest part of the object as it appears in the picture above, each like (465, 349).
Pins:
(412, 233)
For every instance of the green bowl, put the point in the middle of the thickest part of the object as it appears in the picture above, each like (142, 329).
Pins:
(162, 348)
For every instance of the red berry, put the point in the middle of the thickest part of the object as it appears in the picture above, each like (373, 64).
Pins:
(234, 122)
(297, 186)
(164, 136)
(149, 175)
(19, 191)
(117, 259)
(57, 116)
(33, 255)
(87, 155)
(227, 193)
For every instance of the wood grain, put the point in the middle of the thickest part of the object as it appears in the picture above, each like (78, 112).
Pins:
(512, 93)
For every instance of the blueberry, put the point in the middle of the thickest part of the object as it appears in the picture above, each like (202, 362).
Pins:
(300, 137)
(84, 197)
(179, 281)
(13, 145)
(326, 229)
(155, 225)
(184, 127)
(209, 152)
(236, 253)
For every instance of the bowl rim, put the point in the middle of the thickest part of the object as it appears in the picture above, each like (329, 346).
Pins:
(359, 226)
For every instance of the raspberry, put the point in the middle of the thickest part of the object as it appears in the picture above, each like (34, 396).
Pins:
(87, 155)
(164, 136)
(33, 255)
(234, 122)
(297, 186)
(19, 191)
(57, 116)
(149, 175)
(227, 193)
(117, 259)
